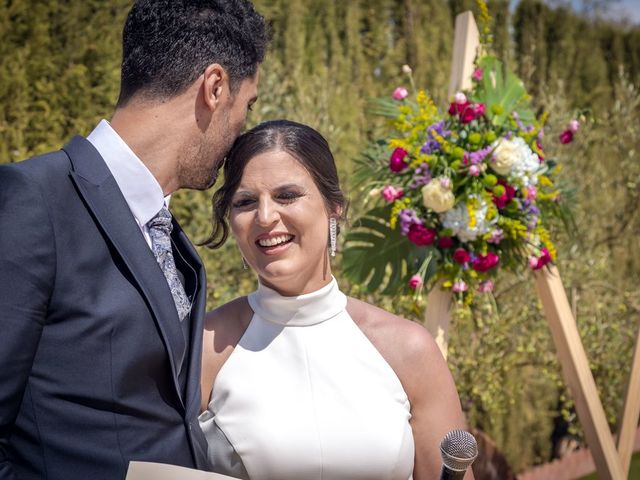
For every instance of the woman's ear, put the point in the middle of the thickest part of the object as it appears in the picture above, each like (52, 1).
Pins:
(337, 212)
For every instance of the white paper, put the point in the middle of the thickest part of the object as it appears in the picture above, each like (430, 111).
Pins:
(163, 471)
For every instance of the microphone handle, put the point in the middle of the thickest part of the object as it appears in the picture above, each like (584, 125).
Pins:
(448, 474)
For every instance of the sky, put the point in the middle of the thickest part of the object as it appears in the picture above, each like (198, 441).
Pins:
(618, 9)
(629, 9)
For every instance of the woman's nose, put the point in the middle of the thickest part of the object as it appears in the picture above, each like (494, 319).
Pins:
(267, 213)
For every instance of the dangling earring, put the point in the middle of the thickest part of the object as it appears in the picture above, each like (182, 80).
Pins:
(244, 264)
(333, 232)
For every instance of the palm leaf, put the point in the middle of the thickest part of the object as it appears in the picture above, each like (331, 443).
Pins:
(379, 257)
(502, 89)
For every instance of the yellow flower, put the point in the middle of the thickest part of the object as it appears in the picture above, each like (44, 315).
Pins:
(395, 210)
(471, 212)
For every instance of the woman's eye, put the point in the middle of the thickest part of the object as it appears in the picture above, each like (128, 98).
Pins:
(288, 196)
(243, 202)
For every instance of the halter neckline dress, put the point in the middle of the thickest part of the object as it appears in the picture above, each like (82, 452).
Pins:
(305, 395)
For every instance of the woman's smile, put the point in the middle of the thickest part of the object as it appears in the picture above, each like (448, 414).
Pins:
(274, 243)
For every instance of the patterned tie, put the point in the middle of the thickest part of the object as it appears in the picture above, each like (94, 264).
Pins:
(160, 232)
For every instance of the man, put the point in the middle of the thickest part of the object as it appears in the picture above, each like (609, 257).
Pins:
(101, 294)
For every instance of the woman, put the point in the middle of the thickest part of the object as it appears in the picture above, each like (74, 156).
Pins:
(298, 380)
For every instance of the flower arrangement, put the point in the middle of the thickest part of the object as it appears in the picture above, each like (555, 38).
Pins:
(460, 196)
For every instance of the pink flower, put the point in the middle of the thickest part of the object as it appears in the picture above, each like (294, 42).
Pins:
(400, 93)
(460, 98)
(474, 170)
(566, 137)
(445, 242)
(468, 115)
(445, 182)
(457, 108)
(484, 263)
(420, 235)
(541, 261)
(459, 286)
(496, 236)
(391, 193)
(508, 195)
(479, 109)
(415, 281)
(477, 74)
(396, 161)
(540, 152)
(531, 192)
(485, 286)
(574, 125)
(461, 256)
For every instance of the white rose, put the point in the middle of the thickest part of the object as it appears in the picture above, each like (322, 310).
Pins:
(436, 197)
(505, 154)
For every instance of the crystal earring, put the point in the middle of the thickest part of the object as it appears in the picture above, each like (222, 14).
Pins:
(333, 232)
(244, 264)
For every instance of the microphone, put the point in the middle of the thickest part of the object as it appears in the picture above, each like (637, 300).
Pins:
(458, 450)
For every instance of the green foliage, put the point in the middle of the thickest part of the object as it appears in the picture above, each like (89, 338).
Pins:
(503, 93)
(59, 75)
(378, 257)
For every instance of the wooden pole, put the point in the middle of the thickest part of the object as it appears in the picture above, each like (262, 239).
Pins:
(465, 45)
(438, 316)
(577, 373)
(466, 41)
(630, 412)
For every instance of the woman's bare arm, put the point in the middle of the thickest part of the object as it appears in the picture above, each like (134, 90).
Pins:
(415, 358)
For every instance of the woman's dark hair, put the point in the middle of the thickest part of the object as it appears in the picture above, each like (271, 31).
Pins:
(167, 44)
(301, 142)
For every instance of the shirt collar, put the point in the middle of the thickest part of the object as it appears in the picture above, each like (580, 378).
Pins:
(140, 189)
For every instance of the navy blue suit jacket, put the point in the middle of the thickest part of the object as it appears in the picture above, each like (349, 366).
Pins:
(91, 345)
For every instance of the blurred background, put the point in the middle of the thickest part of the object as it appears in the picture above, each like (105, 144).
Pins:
(59, 75)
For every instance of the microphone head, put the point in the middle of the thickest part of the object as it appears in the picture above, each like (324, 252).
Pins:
(458, 450)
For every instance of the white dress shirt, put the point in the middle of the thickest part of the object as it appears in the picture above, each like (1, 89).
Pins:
(139, 187)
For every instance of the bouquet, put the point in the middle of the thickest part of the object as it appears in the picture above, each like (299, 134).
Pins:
(457, 196)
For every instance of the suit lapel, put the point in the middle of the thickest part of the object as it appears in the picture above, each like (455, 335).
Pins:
(192, 397)
(103, 197)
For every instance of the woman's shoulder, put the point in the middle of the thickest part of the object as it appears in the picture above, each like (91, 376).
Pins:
(223, 329)
(229, 316)
(409, 338)
(404, 344)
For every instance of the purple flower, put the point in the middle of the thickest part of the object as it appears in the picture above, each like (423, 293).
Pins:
(408, 217)
(432, 145)
(479, 155)
(421, 177)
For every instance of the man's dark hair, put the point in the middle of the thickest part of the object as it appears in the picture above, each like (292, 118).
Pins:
(167, 44)
(300, 141)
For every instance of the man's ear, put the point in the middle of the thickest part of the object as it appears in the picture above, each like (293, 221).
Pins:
(215, 85)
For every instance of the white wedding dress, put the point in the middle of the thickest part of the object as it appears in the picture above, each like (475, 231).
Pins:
(305, 395)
